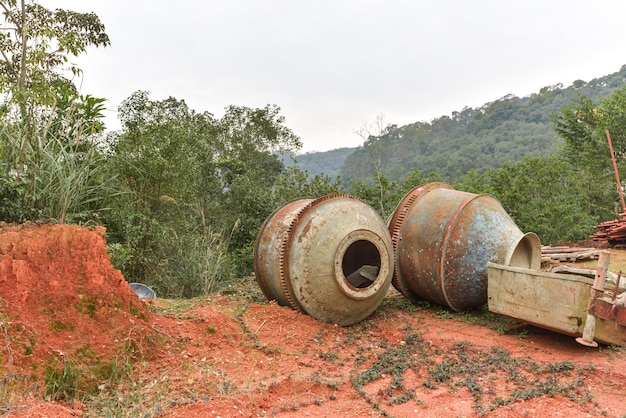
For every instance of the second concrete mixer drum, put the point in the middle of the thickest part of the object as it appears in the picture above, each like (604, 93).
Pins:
(331, 258)
(443, 239)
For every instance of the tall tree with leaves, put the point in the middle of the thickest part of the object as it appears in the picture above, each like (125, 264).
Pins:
(36, 43)
(49, 159)
(583, 125)
(546, 196)
(190, 177)
(36, 47)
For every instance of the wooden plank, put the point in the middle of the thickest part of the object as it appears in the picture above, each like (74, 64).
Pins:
(552, 250)
(574, 270)
(611, 278)
(588, 255)
(569, 254)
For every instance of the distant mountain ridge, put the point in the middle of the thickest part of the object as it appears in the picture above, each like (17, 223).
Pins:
(508, 129)
(329, 163)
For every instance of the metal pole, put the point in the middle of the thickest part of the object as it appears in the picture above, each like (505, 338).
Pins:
(596, 291)
(619, 184)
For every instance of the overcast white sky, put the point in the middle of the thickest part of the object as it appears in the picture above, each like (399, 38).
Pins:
(334, 66)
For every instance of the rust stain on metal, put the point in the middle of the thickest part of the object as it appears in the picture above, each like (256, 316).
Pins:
(305, 230)
(322, 242)
(443, 239)
(608, 310)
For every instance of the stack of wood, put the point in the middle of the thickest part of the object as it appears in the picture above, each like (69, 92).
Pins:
(555, 255)
(612, 233)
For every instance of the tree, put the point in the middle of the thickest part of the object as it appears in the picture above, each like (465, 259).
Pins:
(49, 153)
(164, 159)
(374, 143)
(583, 125)
(249, 168)
(195, 185)
(385, 194)
(295, 184)
(36, 45)
(546, 196)
(380, 194)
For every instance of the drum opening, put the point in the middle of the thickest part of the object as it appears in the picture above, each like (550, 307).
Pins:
(525, 252)
(361, 264)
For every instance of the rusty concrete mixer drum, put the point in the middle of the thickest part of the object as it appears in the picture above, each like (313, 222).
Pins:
(331, 258)
(443, 239)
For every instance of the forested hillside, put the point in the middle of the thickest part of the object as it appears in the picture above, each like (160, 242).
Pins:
(508, 129)
(329, 163)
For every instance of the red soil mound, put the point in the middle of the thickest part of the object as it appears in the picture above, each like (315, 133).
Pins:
(57, 288)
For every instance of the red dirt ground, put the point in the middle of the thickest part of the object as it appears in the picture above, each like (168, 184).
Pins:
(64, 308)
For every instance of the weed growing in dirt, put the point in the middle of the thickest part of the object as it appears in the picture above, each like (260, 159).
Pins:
(15, 388)
(481, 316)
(502, 324)
(87, 306)
(62, 381)
(461, 366)
(329, 357)
(130, 397)
(392, 362)
(405, 304)
(57, 325)
(318, 379)
(614, 348)
(98, 383)
(81, 379)
(173, 307)
(312, 390)
(252, 335)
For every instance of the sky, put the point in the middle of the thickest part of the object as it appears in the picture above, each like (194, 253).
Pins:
(337, 67)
